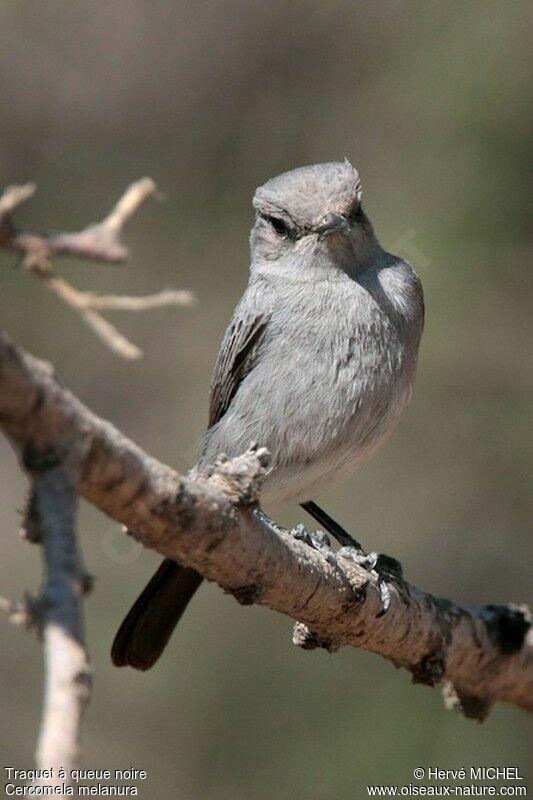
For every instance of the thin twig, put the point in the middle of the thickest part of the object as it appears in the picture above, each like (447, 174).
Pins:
(89, 304)
(112, 337)
(167, 297)
(13, 197)
(102, 242)
(17, 613)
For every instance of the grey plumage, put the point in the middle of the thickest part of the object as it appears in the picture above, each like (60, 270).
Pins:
(319, 360)
(324, 340)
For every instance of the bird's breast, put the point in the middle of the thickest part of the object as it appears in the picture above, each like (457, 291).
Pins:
(348, 376)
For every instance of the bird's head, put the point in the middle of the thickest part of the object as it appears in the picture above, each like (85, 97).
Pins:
(312, 212)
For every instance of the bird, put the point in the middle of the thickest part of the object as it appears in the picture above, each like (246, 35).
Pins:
(317, 365)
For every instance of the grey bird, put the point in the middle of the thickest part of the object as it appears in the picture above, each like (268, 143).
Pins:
(317, 364)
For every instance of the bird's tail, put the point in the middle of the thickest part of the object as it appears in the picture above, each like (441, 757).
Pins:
(148, 626)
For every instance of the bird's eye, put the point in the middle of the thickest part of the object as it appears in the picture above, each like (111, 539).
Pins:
(281, 227)
(355, 213)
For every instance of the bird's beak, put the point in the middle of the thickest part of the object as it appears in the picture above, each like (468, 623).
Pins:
(332, 223)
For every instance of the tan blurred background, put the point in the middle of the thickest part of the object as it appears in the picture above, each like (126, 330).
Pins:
(431, 101)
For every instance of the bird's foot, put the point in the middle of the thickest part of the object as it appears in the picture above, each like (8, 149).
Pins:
(365, 560)
(318, 540)
(385, 567)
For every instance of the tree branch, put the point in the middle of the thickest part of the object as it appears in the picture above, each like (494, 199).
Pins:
(209, 522)
(101, 242)
(67, 671)
(57, 614)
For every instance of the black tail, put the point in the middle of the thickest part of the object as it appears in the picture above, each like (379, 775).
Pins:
(148, 626)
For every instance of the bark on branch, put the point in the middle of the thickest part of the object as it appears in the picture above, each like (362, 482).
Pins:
(210, 523)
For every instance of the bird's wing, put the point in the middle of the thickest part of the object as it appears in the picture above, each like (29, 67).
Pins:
(236, 358)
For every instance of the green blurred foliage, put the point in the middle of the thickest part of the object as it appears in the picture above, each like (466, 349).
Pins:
(431, 101)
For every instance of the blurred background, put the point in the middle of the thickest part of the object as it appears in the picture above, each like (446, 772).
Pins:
(431, 102)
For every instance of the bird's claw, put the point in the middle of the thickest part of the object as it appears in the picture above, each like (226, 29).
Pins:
(321, 540)
(383, 566)
(318, 540)
(388, 565)
(384, 596)
(387, 568)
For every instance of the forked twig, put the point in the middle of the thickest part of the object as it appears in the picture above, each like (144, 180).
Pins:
(101, 242)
